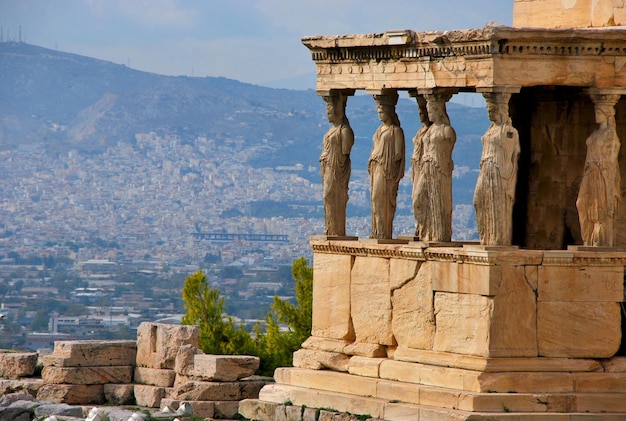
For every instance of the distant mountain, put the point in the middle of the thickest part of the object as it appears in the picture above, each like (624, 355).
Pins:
(60, 101)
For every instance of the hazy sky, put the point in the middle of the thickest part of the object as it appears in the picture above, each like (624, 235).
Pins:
(254, 41)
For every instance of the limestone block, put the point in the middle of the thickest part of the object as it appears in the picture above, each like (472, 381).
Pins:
(594, 402)
(463, 323)
(224, 368)
(413, 321)
(600, 382)
(294, 412)
(466, 278)
(274, 393)
(331, 296)
(320, 360)
(149, 396)
(483, 364)
(513, 331)
(17, 364)
(183, 363)
(310, 414)
(154, 376)
(526, 382)
(365, 350)
(342, 402)
(92, 353)
(30, 386)
(568, 14)
(226, 409)
(282, 375)
(591, 283)
(402, 271)
(87, 375)
(255, 409)
(398, 391)
(439, 397)
(400, 371)
(334, 381)
(181, 379)
(404, 412)
(363, 366)
(578, 329)
(516, 402)
(73, 394)
(158, 343)
(370, 299)
(325, 344)
(451, 378)
(218, 391)
(119, 394)
(615, 365)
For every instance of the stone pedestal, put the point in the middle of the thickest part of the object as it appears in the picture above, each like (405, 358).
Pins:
(465, 332)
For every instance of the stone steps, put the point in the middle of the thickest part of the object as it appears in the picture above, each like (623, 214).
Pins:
(368, 395)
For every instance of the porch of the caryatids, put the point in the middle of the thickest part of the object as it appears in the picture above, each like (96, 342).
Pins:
(432, 168)
(495, 188)
(599, 194)
(386, 165)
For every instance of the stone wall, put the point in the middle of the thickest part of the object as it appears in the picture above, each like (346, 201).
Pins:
(568, 13)
(373, 299)
(161, 370)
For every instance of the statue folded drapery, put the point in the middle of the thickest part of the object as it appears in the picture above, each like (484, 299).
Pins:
(495, 188)
(386, 167)
(335, 166)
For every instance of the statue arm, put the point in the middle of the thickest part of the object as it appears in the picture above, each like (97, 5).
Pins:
(347, 140)
(399, 151)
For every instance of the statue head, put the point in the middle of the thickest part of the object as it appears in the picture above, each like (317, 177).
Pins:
(422, 110)
(498, 107)
(336, 108)
(386, 107)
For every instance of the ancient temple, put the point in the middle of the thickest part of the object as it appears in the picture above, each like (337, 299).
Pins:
(526, 325)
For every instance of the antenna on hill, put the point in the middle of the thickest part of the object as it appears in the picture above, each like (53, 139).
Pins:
(1, 34)
(20, 34)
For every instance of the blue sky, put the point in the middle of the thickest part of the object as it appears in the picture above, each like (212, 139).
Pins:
(254, 41)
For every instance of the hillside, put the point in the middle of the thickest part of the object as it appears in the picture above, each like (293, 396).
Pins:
(61, 101)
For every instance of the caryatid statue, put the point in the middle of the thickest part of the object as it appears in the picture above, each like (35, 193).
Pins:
(599, 194)
(418, 150)
(386, 166)
(432, 179)
(495, 189)
(335, 165)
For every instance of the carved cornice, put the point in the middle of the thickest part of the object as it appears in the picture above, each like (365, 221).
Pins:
(488, 41)
(472, 255)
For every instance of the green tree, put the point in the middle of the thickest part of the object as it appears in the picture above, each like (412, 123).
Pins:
(219, 334)
(277, 345)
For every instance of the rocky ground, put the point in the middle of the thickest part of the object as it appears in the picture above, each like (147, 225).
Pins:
(23, 407)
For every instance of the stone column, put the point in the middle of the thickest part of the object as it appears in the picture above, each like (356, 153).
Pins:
(432, 170)
(495, 188)
(599, 194)
(386, 165)
(335, 166)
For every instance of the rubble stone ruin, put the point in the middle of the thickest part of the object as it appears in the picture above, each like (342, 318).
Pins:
(527, 324)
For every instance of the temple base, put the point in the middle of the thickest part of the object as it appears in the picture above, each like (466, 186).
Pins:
(407, 332)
